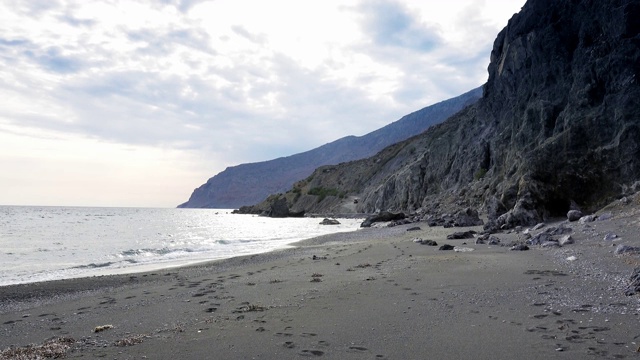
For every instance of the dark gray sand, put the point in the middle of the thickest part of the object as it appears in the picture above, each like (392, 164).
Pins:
(372, 294)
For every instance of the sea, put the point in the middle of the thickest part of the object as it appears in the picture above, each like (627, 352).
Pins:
(51, 243)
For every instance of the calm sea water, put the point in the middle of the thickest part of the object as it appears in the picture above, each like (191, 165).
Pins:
(48, 243)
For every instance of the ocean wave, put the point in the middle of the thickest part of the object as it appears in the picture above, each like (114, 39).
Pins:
(161, 252)
(93, 265)
(230, 242)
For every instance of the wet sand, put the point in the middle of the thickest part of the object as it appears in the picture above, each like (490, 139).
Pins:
(372, 294)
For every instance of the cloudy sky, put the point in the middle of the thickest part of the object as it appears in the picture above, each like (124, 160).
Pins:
(137, 102)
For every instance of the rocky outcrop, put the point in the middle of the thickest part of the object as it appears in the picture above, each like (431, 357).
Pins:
(274, 206)
(557, 128)
(383, 216)
(327, 221)
(250, 183)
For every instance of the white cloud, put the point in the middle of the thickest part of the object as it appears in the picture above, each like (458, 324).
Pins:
(216, 83)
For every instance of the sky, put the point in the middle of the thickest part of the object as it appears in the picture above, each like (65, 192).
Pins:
(137, 102)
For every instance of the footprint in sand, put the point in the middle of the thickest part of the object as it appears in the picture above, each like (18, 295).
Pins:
(284, 334)
(311, 353)
(357, 349)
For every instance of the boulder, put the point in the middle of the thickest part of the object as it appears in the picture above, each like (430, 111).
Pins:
(574, 215)
(467, 217)
(519, 247)
(605, 216)
(539, 226)
(539, 239)
(587, 219)
(461, 235)
(446, 247)
(429, 242)
(565, 240)
(610, 237)
(382, 217)
(327, 221)
(493, 241)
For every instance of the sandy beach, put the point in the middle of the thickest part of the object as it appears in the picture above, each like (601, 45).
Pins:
(371, 294)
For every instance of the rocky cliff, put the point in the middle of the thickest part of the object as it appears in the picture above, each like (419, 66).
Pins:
(557, 128)
(250, 183)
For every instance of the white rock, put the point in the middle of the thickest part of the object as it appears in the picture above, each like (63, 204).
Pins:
(572, 258)
(462, 249)
(565, 240)
(587, 219)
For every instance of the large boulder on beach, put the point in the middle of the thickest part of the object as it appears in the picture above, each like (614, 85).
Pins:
(382, 217)
(461, 235)
(467, 217)
(327, 221)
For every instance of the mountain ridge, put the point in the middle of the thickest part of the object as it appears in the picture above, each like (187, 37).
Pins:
(252, 182)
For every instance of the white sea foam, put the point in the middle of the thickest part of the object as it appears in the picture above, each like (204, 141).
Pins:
(49, 243)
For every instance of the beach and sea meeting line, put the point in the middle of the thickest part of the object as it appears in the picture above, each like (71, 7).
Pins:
(52, 243)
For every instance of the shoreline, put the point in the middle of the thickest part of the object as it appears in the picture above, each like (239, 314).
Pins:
(371, 293)
(118, 264)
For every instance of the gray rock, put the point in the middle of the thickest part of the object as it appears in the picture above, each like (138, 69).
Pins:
(519, 247)
(574, 215)
(467, 217)
(382, 217)
(566, 240)
(484, 237)
(610, 237)
(479, 241)
(446, 247)
(539, 226)
(560, 230)
(539, 239)
(494, 241)
(415, 228)
(461, 235)
(429, 242)
(587, 219)
(625, 249)
(518, 216)
(634, 283)
(605, 216)
(328, 221)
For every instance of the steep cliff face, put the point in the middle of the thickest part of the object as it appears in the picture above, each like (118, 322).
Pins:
(249, 183)
(558, 125)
